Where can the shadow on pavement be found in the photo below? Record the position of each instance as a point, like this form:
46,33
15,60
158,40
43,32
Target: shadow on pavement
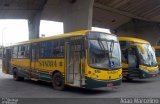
89,91
139,81
73,89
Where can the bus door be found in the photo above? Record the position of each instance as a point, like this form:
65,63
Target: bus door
132,59
6,60
34,59
73,61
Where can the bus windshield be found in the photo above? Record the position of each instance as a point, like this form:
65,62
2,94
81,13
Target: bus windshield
148,56
104,51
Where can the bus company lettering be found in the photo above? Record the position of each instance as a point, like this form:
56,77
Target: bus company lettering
50,63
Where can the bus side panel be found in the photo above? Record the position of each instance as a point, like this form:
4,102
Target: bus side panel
22,65
45,67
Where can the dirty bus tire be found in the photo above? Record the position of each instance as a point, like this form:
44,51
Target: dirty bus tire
58,81
16,77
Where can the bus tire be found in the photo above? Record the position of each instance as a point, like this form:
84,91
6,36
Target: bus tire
58,81
16,77
129,79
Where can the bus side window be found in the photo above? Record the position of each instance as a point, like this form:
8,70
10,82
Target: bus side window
15,52
19,52
23,51
46,49
58,48
27,55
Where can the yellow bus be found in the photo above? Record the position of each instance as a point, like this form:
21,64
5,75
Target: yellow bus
157,51
138,58
86,59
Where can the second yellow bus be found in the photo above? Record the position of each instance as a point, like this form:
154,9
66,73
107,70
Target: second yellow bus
138,58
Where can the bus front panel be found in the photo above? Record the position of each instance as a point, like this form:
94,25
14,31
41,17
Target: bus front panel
138,59
103,66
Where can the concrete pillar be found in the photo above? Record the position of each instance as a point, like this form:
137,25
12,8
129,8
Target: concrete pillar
77,14
33,25
149,31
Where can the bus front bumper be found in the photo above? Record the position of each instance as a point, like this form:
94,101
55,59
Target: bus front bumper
93,83
137,73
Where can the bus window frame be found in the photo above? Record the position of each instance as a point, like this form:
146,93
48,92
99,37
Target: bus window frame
25,51
13,52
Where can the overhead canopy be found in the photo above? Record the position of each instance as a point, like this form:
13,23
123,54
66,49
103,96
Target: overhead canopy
113,13
107,13
20,9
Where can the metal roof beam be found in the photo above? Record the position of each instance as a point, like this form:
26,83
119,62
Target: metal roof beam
97,5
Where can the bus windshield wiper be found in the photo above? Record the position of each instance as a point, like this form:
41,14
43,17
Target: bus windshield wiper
111,47
103,47
101,44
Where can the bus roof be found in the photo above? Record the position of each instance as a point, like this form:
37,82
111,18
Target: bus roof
76,33
70,34
131,39
156,47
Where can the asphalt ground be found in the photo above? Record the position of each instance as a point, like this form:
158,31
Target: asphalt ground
140,88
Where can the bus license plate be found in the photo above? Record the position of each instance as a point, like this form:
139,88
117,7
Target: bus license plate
153,75
109,84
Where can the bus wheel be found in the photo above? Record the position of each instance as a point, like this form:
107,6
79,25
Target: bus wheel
58,81
16,77
129,79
